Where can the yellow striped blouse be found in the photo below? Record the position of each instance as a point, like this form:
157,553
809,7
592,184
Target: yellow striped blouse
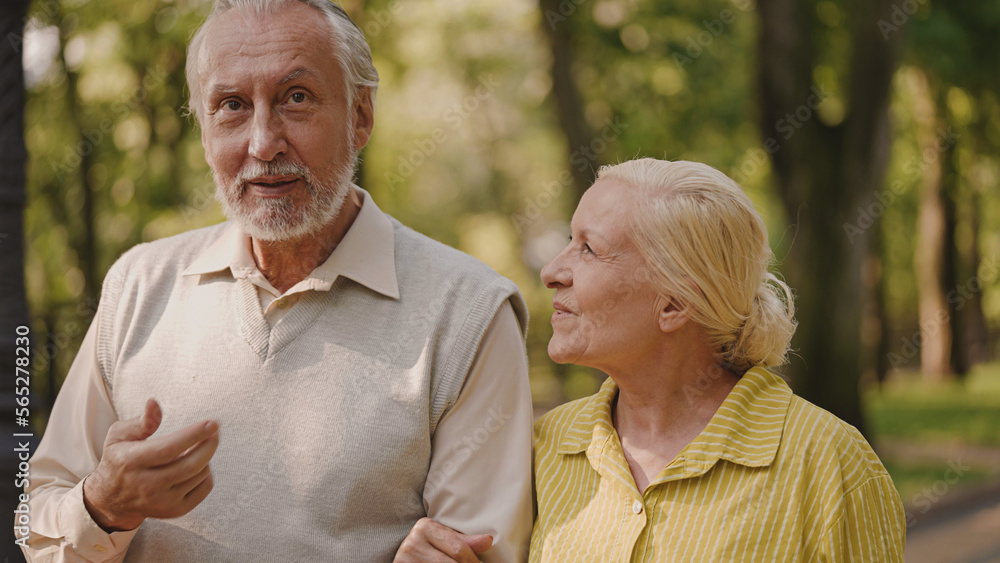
771,478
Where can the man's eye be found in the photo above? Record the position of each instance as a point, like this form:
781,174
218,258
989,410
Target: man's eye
298,97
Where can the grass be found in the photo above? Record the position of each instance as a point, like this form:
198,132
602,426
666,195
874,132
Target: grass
916,480
910,410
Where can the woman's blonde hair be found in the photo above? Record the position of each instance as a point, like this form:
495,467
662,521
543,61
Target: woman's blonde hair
706,247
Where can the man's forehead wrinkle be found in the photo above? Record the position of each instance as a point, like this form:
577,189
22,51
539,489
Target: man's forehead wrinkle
288,40
244,52
250,61
247,24
229,78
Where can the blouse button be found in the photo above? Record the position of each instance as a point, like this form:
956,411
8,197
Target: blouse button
637,507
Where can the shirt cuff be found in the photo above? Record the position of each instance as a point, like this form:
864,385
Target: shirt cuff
87,538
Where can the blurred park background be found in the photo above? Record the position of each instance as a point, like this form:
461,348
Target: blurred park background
866,131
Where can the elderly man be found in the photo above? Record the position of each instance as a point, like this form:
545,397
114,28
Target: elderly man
304,382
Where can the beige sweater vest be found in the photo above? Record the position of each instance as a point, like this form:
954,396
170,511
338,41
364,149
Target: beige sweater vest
326,419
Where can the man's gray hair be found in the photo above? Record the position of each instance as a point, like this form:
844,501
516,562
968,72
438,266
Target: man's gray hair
350,47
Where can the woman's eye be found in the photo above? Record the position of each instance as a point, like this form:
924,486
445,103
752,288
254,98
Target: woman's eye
233,105
585,248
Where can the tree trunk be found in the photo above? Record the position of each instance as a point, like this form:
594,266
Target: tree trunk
972,341
827,178
875,325
976,341
932,244
85,244
569,105
13,307
953,266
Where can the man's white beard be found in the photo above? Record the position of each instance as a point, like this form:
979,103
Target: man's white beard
276,219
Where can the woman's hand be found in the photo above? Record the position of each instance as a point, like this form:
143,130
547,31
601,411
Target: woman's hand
430,542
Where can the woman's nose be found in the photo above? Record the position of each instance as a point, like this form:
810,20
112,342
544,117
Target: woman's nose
556,274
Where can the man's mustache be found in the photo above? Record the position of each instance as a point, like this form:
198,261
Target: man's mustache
272,168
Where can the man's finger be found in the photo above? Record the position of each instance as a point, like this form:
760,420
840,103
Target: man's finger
478,543
186,486
200,491
191,462
138,428
193,498
163,449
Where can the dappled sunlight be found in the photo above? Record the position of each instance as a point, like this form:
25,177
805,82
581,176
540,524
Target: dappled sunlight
470,147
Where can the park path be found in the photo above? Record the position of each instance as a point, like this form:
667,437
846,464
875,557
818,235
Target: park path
962,526
941,452
966,531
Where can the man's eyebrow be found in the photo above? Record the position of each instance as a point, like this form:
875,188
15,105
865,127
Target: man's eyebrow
228,89
224,89
295,74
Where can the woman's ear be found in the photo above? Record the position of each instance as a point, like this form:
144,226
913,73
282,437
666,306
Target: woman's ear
671,314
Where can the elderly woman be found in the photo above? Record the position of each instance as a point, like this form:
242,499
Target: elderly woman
691,450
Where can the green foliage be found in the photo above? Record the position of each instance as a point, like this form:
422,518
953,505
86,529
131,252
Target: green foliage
942,422
467,146
955,413
110,152
915,481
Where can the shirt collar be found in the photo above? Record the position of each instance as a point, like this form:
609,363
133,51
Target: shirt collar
746,429
366,254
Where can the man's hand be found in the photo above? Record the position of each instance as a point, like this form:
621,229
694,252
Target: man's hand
163,477
430,542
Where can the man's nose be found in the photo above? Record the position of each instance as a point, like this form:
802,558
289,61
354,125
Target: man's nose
267,135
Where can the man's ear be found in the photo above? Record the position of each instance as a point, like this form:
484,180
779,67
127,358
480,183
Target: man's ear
204,145
671,314
362,116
